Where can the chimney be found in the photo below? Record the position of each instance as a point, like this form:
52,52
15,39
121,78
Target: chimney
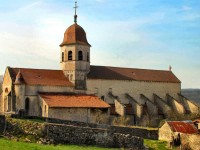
170,68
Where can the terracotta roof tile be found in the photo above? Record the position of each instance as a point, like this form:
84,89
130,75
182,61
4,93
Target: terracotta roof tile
41,77
182,127
71,101
117,73
75,34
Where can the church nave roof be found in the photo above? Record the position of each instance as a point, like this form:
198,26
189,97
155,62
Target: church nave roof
41,76
117,73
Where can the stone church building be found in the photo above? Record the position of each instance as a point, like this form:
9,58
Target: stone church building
79,91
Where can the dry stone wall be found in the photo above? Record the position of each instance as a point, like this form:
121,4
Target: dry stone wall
139,132
91,136
133,131
70,132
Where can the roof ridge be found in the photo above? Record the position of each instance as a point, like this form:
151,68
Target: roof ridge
131,68
34,69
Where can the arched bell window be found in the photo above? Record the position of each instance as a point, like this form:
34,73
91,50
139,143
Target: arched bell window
70,55
80,55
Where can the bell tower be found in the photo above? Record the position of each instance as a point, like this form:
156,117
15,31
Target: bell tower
75,54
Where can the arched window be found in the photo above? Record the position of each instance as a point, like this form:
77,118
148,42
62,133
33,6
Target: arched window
70,55
88,57
80,55
6,90
63,57
27,103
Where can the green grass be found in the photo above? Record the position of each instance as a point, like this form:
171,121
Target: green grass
156,144
13,145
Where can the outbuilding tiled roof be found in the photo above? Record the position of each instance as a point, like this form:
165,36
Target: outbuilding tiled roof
117,73
41,76
182,127
73,101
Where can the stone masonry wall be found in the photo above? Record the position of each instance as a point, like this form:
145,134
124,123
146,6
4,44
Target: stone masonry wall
134,88
73,132
133,131
91,136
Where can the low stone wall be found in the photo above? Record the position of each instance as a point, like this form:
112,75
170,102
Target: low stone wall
91,136
2,123
134,131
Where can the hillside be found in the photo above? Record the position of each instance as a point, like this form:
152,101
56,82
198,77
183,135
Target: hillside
193,94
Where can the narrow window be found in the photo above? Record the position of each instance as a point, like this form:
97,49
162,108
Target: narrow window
27,101
45,109
70,55
88,57
80,55
103,98
63,56
6,90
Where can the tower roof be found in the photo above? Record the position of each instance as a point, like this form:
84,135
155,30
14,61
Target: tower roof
75,34
19,78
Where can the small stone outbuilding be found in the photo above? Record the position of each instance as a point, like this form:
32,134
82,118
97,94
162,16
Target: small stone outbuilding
172,130
84,108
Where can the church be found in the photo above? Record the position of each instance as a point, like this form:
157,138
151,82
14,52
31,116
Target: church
87,93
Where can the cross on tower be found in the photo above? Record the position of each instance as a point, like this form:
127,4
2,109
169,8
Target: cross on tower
75,16
75,7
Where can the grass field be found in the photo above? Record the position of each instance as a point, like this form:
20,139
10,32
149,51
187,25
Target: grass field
13,145
155,144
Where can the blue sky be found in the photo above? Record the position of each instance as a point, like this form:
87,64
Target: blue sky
149,34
